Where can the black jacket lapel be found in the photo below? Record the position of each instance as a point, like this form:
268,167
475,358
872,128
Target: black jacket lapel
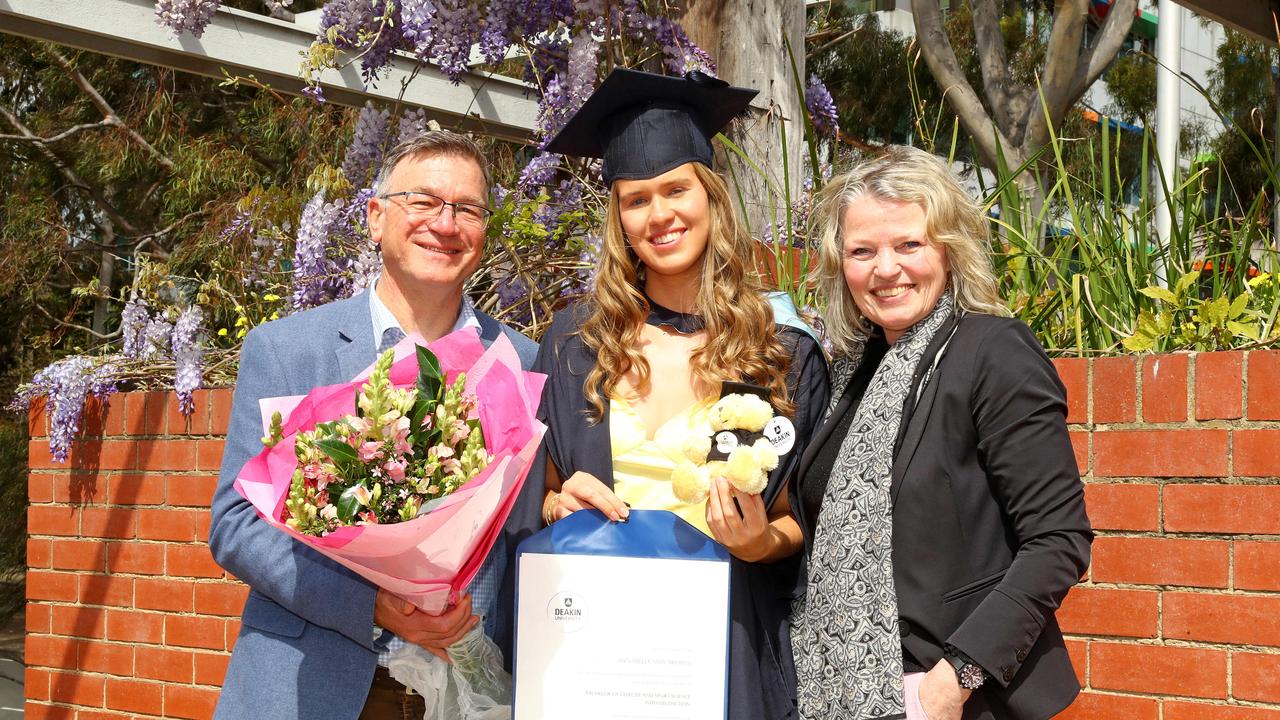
918,405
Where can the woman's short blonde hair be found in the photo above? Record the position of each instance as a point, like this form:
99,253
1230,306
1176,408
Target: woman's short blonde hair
953,220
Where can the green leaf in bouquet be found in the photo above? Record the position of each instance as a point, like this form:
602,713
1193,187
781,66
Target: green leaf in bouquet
421,408
349,503
430,375
342,454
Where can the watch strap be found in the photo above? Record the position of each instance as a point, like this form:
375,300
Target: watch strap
970,674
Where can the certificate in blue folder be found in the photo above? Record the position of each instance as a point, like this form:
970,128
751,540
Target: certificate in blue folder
621,620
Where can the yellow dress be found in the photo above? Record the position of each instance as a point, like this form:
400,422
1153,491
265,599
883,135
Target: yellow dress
642,467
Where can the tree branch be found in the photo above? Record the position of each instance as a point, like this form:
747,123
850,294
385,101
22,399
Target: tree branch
107,208
63,323
1112,36
108,113
1061,58
992,58
823,47
942,62
60,136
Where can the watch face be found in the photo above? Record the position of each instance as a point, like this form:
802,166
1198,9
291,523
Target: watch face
970,676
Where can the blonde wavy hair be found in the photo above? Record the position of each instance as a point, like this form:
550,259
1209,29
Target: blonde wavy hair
741,338
953,221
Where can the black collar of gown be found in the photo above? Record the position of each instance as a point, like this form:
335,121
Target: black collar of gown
683,322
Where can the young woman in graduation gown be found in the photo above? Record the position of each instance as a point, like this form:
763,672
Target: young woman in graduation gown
635,367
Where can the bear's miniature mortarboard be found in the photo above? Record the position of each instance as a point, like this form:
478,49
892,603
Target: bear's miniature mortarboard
643,124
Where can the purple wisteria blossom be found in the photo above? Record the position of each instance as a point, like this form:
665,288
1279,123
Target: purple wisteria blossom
580,77
65,385
367,264
412,124
363,27
186,15
513,293
317,277
187,355
441,31
591,255
566,197
364,154
822,109
133,326
155,342
539,172
680,53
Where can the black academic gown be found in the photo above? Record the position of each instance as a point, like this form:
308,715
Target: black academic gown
761,672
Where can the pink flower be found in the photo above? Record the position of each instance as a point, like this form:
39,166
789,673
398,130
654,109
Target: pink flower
369,451
460,432
395,468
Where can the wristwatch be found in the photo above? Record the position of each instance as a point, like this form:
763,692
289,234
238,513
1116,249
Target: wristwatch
970,674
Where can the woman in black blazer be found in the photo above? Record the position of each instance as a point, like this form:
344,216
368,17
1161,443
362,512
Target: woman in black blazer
941,505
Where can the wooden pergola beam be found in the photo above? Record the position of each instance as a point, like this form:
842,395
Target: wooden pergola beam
1252,17
245,44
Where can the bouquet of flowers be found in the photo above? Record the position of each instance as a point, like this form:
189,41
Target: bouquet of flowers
401,452
406,475
745,443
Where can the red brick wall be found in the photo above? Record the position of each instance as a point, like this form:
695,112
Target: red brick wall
127,613
1179,618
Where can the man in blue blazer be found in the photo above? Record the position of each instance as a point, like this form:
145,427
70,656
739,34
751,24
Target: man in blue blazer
313,633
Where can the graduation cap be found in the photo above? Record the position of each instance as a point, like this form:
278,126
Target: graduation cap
643,124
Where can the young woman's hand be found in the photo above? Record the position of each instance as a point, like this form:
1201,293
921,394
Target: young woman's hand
584,490
746,534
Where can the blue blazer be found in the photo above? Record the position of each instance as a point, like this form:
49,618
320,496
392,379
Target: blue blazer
305,647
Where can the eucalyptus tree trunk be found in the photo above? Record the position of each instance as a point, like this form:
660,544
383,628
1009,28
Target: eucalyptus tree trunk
1013,118
749,41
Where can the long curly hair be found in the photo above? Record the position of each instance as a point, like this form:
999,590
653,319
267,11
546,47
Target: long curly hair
741,339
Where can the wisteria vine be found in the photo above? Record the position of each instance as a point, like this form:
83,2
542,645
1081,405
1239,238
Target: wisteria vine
321,247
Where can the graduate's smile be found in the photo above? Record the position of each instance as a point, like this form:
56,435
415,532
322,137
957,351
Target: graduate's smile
665,219
668,238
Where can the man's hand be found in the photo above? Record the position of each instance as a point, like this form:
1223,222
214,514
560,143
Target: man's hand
940,693
433,633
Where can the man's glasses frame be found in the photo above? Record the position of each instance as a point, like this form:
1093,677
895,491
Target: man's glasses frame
429,206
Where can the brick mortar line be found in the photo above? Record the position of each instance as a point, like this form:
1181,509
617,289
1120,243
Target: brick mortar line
1198,699
1181,535
1195,699
1206,424
1163,642
1261,480
1195,589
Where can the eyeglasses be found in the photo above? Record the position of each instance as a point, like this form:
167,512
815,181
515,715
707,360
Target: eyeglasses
426,206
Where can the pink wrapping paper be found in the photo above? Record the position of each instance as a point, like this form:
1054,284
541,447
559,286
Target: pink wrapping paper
430,559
